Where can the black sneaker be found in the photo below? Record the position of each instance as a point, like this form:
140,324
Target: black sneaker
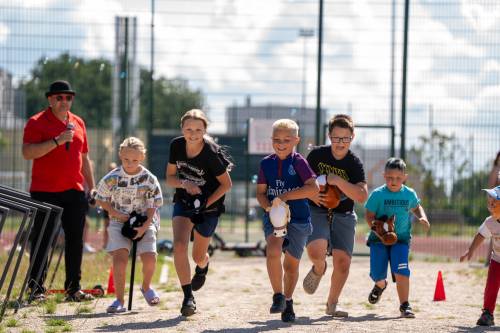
288,315
199,277
78,296
376,293
406,310
188,307
278,303
486,319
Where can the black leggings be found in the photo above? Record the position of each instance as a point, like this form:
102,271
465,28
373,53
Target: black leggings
73,220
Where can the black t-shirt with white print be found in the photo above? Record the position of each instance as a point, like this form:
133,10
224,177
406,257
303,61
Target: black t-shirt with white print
350,168
201,169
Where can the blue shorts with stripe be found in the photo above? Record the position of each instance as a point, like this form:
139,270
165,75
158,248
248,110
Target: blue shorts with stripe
381,255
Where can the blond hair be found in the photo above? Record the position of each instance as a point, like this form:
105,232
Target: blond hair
195,114
133,143
286,124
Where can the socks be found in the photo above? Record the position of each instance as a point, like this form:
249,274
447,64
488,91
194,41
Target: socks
187,290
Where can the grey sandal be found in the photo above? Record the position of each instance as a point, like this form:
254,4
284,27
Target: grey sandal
311,281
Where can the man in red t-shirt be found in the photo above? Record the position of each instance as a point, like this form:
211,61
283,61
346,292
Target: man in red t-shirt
56,140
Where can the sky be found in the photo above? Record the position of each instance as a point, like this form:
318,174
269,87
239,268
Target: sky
233,48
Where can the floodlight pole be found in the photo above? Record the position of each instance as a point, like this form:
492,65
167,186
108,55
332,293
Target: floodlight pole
403,84
318,86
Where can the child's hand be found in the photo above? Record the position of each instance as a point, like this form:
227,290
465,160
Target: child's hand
467,255
117,215
141,230
424,223
333,179
317,198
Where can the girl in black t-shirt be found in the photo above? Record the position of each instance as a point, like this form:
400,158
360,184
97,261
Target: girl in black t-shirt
199,172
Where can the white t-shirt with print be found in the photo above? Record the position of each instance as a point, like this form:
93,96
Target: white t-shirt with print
491,228
128,193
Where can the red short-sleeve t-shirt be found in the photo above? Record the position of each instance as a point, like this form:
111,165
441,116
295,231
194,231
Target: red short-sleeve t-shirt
60,169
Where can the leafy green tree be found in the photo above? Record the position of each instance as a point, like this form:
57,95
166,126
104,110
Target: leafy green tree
91,79
172,98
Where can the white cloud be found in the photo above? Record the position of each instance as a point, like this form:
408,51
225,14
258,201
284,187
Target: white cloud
4,32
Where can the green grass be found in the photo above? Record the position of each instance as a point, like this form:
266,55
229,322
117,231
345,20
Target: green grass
56,322
27,331
50,306
11,322
83,309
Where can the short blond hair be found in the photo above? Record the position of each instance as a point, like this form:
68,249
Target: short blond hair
133,143
286,124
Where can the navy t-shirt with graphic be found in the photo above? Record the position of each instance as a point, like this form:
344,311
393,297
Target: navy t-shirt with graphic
283,176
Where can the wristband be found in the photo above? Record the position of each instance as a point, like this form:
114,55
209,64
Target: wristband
55,141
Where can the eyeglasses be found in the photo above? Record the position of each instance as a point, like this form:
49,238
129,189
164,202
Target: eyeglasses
337,139
59,98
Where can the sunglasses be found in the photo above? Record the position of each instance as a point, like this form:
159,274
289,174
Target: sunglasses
59,98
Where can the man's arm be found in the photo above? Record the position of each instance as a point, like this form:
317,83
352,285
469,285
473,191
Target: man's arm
32,151
88,173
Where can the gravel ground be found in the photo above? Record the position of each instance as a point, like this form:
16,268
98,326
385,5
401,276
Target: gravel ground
237,296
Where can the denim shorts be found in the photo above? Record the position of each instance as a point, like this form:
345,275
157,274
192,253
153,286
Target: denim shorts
295,239
118,241
381,255
206,229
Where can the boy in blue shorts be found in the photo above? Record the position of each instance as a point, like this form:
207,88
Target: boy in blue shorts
285,176
393,199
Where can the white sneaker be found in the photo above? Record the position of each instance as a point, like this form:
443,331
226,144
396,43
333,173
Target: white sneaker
87,248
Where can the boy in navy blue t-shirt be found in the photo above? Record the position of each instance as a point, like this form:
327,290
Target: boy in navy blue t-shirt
393,199
285,176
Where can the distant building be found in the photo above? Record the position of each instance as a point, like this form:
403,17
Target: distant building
237,117
12,103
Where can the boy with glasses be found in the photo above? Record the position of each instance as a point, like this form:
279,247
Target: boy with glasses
333,228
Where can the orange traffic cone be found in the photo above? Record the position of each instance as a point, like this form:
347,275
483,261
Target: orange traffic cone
439,294
111,282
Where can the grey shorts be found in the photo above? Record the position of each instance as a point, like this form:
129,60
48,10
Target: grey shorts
118,241
295,239
340,234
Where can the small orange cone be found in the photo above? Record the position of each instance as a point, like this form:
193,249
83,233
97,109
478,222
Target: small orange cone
111,282
439,294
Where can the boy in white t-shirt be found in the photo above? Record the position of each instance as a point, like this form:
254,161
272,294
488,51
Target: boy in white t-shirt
126,189
489,229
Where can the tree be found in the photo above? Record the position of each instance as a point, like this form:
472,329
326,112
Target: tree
172,98
91,79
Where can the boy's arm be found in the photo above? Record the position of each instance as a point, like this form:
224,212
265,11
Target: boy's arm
422,217
478,239
369,216
357,192
309,189
261,195
106,205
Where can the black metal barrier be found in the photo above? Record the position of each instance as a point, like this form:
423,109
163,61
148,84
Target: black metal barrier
4,211
48,214
28,213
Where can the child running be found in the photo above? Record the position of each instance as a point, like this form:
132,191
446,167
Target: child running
489,229
393,199
285,176
128,188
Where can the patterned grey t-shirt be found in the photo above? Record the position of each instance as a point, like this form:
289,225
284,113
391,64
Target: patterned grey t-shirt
128,193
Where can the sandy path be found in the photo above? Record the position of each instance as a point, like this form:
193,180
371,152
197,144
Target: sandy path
237,296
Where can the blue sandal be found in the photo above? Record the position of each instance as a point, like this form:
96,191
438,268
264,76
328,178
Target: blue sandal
116,307
151,297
